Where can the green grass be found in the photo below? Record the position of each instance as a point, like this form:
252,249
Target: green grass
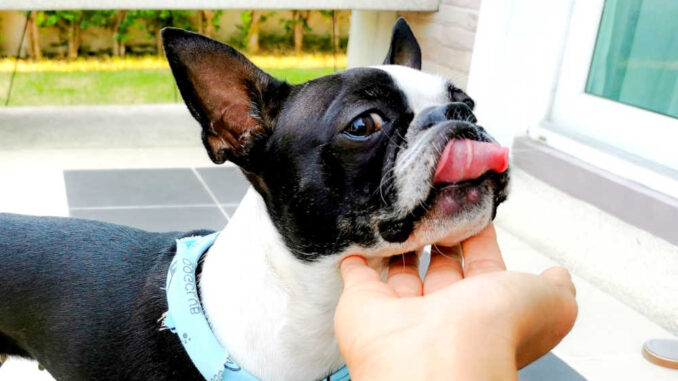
111,87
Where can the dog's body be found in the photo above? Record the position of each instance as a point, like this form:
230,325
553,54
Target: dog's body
340,165
110,325
84,298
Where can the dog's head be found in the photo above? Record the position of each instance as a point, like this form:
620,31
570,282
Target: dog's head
350,161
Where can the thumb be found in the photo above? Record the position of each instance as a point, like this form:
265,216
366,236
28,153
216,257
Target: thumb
355,272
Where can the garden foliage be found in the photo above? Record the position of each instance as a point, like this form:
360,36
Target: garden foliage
127,25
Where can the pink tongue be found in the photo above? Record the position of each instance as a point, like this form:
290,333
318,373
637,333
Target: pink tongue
469,159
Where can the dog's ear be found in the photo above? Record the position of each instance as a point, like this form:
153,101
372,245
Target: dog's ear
235,102
404,49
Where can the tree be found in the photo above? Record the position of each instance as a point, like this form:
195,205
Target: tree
300,25
119,33
248,30
155,20
33,31
336,43
240,39
253,32
333,15
297,26
68,23
208,21
71,24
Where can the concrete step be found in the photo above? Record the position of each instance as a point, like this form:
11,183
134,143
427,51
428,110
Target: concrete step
606,340
632,265
128,126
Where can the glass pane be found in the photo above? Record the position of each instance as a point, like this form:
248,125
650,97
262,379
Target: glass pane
636,56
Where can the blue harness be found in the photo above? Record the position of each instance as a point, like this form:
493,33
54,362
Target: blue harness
185,317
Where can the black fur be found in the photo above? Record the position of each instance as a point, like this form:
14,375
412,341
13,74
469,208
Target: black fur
234,101
84,298
404,49
332,206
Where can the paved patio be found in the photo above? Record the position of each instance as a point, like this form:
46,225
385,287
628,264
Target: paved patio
137,181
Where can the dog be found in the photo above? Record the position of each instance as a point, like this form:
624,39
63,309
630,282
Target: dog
376,161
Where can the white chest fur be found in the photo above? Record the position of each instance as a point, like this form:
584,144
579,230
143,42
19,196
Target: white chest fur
273,312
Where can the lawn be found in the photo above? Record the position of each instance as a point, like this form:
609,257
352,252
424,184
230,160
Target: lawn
112,87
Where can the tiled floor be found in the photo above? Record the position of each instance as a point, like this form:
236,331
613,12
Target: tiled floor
156,199
549,368
192,198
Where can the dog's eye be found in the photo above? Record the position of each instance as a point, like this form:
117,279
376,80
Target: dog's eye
364,125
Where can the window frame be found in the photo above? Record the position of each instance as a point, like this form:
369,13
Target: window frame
578,116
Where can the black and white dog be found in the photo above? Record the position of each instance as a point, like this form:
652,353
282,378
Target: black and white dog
375,161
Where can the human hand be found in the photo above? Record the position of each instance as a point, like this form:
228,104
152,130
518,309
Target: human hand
471,322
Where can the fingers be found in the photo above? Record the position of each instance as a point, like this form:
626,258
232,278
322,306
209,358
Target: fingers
402,281
354,271
445,268
561,276
403,275
481,253
549,312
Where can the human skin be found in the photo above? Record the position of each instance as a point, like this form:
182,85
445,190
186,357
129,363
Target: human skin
474,321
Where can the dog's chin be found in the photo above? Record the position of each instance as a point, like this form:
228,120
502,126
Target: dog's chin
455,212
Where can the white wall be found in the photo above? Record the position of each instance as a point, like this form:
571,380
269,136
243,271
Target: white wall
447,38
369,37
518,50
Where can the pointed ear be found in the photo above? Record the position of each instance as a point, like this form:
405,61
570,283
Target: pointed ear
404,49
234,101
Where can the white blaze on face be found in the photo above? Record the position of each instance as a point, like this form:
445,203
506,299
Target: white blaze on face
421,89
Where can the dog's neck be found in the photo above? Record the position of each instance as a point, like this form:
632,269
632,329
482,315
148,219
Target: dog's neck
273,312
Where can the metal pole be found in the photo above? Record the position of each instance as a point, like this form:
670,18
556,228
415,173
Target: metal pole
16,61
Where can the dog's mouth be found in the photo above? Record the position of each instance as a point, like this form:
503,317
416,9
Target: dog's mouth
467,160
470,167
462,167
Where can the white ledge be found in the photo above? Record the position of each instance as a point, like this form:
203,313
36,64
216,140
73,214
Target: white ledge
393,5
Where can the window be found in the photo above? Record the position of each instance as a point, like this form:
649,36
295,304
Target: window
635,60
616,97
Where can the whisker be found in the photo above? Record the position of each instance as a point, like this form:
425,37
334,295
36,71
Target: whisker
440,252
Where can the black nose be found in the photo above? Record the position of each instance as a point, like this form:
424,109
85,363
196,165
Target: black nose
437,114
460,111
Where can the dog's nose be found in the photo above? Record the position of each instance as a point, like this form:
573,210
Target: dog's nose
437,114
460,111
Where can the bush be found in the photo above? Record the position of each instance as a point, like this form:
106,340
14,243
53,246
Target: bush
129,25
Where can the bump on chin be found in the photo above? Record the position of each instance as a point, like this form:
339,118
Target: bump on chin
439,227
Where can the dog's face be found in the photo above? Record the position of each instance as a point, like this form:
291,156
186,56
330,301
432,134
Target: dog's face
345,162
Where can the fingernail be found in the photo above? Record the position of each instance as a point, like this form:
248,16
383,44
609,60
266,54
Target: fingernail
352,258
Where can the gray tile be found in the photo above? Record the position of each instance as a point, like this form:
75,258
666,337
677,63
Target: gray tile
159,219
550,368
227,183
230,209
134,187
